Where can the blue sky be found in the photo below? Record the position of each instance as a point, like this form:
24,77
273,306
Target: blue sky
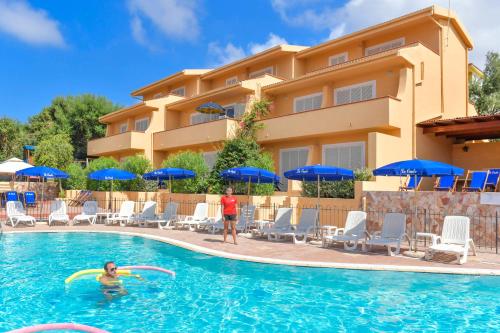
51,47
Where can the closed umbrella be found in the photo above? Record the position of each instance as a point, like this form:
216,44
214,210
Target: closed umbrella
318,173
169,174
111,174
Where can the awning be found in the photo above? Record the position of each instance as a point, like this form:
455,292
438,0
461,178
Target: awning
464,128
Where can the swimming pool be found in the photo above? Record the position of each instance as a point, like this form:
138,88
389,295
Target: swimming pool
212,294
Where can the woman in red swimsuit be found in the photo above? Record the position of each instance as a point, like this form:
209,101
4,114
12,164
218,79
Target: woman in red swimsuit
229,212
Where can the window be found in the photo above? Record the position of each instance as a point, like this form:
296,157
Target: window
291,159
210,158
158,95
384,46
345,155
235,110
181,91
232,80
355,93
141,125
123,127
337,59
306,103
260,72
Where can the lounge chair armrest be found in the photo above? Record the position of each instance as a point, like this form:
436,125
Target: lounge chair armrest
339,231
329,230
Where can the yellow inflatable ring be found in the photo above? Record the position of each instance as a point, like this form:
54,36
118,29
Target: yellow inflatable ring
122,272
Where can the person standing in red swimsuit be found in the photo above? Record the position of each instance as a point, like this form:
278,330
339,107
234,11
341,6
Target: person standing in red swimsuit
229,212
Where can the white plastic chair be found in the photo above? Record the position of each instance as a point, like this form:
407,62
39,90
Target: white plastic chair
125,215
148,213
214,224
353,232
246,218
393,232
89,213
17,214
455,239
58,212
165,220
282,223
192,221
306,226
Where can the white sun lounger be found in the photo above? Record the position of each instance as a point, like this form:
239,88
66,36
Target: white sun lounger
191,222
125,215
306,226
89,213
148,213
213,224
393,232
17,214
58,212
353,232
282,223
165,220
454,239
246,218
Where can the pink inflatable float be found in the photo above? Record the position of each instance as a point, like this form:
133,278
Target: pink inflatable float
59,326
149,268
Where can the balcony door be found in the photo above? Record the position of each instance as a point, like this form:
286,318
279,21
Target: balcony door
290,159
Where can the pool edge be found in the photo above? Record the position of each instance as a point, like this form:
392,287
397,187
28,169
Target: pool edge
286,262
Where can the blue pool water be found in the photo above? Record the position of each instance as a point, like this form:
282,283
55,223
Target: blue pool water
212,294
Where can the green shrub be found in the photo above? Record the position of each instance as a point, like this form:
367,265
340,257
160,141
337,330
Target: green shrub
138,165
54,151
99,164
189,160
342,189
77,178
240,152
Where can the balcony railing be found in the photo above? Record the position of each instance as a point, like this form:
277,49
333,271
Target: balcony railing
117,143
375,114
209,132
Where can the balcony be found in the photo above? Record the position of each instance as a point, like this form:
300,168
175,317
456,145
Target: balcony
210,132
378,114
135,141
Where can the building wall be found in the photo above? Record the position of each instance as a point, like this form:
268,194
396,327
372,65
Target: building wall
387,81
426,32
191,89
282,68
477,155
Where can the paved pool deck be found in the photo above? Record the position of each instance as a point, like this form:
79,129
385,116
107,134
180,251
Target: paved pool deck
286,253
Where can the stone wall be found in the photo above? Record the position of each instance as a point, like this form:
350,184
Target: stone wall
50,189
425,211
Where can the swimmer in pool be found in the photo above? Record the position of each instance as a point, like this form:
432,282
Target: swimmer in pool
111,285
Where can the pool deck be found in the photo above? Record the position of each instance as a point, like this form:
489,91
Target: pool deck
286,253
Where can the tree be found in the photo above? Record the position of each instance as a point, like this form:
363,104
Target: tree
99,164
137,165
192,161
77,179
248,125
485,93
11,138
55,151
75,116
240,152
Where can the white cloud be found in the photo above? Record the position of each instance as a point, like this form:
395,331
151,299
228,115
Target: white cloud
479,17
273,40
173,18
31,25
222,55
